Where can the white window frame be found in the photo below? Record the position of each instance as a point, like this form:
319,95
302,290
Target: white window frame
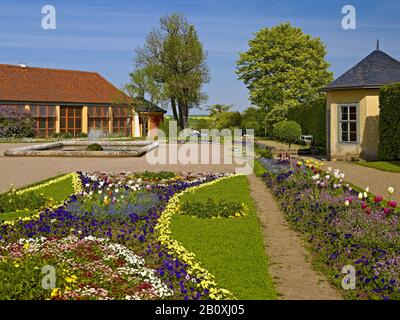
357,122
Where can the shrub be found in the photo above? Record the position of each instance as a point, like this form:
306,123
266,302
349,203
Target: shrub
213,209
94,147
389,119
200,123
254,118
15,123
228,120
311,116
287,131
263,152
82,135
63,135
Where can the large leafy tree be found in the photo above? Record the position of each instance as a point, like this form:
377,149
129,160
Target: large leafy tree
283,68
216,110
254,118
178,59
145,93
229,120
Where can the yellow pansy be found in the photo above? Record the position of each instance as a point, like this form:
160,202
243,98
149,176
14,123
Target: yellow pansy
55,293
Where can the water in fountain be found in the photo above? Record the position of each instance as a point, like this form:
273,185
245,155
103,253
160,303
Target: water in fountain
95,134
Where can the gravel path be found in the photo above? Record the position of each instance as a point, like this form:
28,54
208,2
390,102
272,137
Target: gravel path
378,181
22,171
289,261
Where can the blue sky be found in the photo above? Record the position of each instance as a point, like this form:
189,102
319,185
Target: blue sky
102,35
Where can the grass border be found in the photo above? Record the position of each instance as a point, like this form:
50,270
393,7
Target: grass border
381,165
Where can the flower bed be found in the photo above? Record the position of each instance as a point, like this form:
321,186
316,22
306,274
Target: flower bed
109,225
343,226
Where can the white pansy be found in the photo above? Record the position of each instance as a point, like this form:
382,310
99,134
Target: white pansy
316,177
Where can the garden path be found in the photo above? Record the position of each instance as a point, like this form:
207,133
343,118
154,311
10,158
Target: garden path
21,171
378,181
289,261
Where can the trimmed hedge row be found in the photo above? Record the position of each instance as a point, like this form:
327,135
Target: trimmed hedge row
312,118
389,120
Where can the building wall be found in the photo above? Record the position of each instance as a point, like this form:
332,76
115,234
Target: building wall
368,119
154,119
85,120
154,122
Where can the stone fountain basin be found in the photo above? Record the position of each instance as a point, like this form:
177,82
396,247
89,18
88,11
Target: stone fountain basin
75,148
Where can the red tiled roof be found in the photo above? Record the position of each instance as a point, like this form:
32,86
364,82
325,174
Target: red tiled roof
55,85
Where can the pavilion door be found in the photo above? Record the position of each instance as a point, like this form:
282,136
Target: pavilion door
71,120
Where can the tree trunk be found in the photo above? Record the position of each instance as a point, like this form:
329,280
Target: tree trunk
183,115
174,111
144,125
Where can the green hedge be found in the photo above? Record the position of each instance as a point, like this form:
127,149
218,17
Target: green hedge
312,118
389,120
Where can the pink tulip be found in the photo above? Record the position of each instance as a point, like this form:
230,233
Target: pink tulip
378,199
364,205
392,204
387,210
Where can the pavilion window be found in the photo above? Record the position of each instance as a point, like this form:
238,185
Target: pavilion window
348,123
45,117
99,118
122,120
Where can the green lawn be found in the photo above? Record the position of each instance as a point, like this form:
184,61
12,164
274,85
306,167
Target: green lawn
259,170
58,191
232,248
391,166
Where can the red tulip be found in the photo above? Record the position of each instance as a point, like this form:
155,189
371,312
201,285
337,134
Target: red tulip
364,205
387,210
378,199
350,200
368,210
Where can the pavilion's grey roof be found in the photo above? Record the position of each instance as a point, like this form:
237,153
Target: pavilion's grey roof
374,71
